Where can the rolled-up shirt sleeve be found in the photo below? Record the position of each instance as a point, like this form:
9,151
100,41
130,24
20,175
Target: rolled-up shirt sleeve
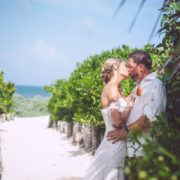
155,102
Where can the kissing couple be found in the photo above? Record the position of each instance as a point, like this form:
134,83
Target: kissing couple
126,114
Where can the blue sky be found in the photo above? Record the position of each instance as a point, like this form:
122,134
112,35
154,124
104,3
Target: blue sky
42,40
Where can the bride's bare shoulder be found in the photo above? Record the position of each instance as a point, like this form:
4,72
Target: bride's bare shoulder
109,94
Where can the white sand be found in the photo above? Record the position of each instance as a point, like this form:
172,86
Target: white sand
31,151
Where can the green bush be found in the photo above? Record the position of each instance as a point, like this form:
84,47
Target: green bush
78,98
6,94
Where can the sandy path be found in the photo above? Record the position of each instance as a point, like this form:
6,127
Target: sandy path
30,151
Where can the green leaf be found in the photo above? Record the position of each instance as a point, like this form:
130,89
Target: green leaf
177,7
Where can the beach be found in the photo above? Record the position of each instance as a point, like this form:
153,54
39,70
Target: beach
31,151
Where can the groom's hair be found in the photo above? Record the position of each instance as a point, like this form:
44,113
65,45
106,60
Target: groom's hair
141,57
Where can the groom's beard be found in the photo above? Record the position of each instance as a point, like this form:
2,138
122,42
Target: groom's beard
134,76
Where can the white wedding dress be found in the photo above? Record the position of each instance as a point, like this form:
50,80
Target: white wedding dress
108,162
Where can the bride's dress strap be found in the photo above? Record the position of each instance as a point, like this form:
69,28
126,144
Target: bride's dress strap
121,104
110,106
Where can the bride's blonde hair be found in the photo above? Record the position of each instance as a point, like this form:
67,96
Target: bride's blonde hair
107,70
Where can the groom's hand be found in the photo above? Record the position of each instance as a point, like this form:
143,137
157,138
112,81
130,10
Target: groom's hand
116,135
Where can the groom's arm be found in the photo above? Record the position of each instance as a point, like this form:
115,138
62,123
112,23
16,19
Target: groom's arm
142,123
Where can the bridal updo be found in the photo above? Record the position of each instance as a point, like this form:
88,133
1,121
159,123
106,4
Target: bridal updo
109,65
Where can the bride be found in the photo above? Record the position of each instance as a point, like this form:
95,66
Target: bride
108,162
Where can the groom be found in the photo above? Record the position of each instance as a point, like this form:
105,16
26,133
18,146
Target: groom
150,101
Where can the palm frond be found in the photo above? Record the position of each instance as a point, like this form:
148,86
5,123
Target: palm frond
119,7
137,13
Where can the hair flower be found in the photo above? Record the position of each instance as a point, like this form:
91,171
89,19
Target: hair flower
139,90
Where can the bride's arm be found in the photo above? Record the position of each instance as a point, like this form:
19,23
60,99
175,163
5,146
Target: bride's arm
121,117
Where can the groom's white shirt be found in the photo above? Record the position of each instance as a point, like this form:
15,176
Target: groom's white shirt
151,103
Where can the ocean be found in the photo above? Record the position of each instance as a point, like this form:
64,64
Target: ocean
31,91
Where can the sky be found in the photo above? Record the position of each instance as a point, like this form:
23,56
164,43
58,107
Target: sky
42,40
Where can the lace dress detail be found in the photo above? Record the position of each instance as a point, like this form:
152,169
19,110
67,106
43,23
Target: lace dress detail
108,162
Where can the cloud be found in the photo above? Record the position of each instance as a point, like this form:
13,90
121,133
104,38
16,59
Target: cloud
40,58
39,49
38,63
89,25
39,54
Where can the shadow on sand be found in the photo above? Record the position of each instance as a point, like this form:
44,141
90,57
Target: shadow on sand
78,152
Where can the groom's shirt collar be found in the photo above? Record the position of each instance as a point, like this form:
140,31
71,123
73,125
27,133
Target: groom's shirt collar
149,77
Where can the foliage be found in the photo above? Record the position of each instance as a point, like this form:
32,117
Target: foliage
6,94
170,26
30,107
78,98
59,104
